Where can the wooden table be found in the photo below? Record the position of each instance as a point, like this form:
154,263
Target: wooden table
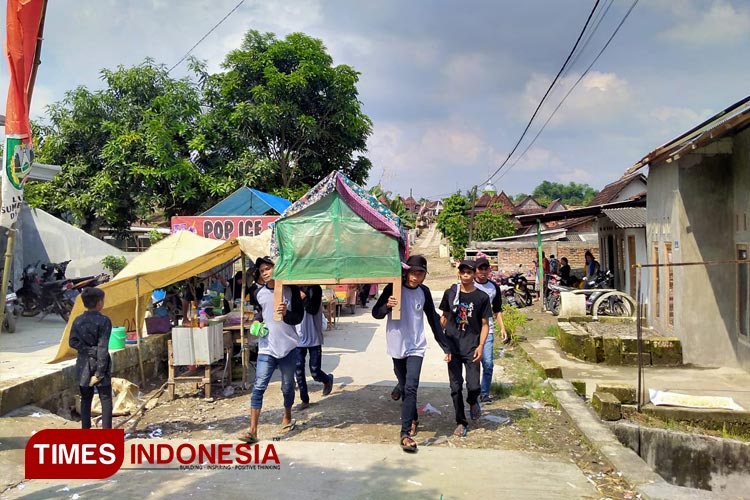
330,311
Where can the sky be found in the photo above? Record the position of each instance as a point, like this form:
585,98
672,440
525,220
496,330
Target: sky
450,85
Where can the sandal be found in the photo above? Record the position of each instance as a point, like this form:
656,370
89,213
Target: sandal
461,431
414,428
290,426
396,393
408,444
475,411
248,437
302,406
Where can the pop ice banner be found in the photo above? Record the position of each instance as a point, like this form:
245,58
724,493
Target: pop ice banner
22,29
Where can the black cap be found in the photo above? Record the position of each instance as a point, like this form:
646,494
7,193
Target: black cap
264,260
416,263
468,263
481,261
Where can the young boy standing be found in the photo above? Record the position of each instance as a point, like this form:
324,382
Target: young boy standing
89,335
466,315
406,341
310,333
489,287
277,349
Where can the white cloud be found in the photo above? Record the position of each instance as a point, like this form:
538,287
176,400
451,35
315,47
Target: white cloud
537,160
600,97
719,23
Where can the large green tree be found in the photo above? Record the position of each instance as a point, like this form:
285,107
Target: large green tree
493,223
286,102
124,151
570,194
453,223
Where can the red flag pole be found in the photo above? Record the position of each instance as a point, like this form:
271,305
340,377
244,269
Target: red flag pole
12,229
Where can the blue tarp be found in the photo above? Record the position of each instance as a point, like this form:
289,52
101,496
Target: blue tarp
248,201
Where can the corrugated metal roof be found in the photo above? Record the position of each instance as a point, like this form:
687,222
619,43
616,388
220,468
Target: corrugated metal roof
627,217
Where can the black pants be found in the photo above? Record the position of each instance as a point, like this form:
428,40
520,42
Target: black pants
105,396
455,374
407,372
315,370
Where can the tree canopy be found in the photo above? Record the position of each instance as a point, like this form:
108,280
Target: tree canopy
279,118
493,223
123,150
453,223
285,101
570,194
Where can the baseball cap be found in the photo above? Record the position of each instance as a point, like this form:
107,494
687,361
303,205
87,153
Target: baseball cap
481,261
416,263
264,260
467,263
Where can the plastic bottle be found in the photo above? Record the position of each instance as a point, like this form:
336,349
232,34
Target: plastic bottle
202,318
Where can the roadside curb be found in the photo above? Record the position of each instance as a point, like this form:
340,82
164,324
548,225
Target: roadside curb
633,468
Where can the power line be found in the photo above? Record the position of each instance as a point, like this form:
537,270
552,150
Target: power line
526,129
206,35
597,21
635,2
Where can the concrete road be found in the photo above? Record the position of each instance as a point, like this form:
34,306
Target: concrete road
336,470
25,353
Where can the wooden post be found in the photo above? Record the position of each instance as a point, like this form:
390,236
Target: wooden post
138,325
243,347
170,368
396,311
278,298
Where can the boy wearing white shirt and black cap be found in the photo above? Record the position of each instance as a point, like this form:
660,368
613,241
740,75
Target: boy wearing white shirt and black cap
406,340
277,349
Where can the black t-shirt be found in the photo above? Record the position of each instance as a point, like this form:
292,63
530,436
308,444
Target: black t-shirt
465,319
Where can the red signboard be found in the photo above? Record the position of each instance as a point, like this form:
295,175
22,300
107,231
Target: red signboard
223,227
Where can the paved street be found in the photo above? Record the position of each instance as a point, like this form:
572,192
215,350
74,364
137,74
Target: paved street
321,467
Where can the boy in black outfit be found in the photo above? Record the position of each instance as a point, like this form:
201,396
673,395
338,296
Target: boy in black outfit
89,335
466,316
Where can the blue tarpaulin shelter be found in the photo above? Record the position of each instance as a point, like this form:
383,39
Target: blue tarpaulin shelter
248,201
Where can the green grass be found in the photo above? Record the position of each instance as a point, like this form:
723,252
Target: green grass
513,319
527,384
552,331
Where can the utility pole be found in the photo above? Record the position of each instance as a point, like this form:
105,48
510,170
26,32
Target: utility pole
12,230
471,213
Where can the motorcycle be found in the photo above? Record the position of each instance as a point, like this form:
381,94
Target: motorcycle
613,306
48,293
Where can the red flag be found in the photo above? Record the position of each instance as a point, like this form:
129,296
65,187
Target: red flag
22,22
23,18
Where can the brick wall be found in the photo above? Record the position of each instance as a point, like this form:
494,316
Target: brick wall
511,254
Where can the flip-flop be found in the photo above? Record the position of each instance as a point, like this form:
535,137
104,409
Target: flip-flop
461,431
408,444
248,437
302,407
290,426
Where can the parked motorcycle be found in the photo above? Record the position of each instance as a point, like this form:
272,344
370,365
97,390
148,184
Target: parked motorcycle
11,312
613,306
49,292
